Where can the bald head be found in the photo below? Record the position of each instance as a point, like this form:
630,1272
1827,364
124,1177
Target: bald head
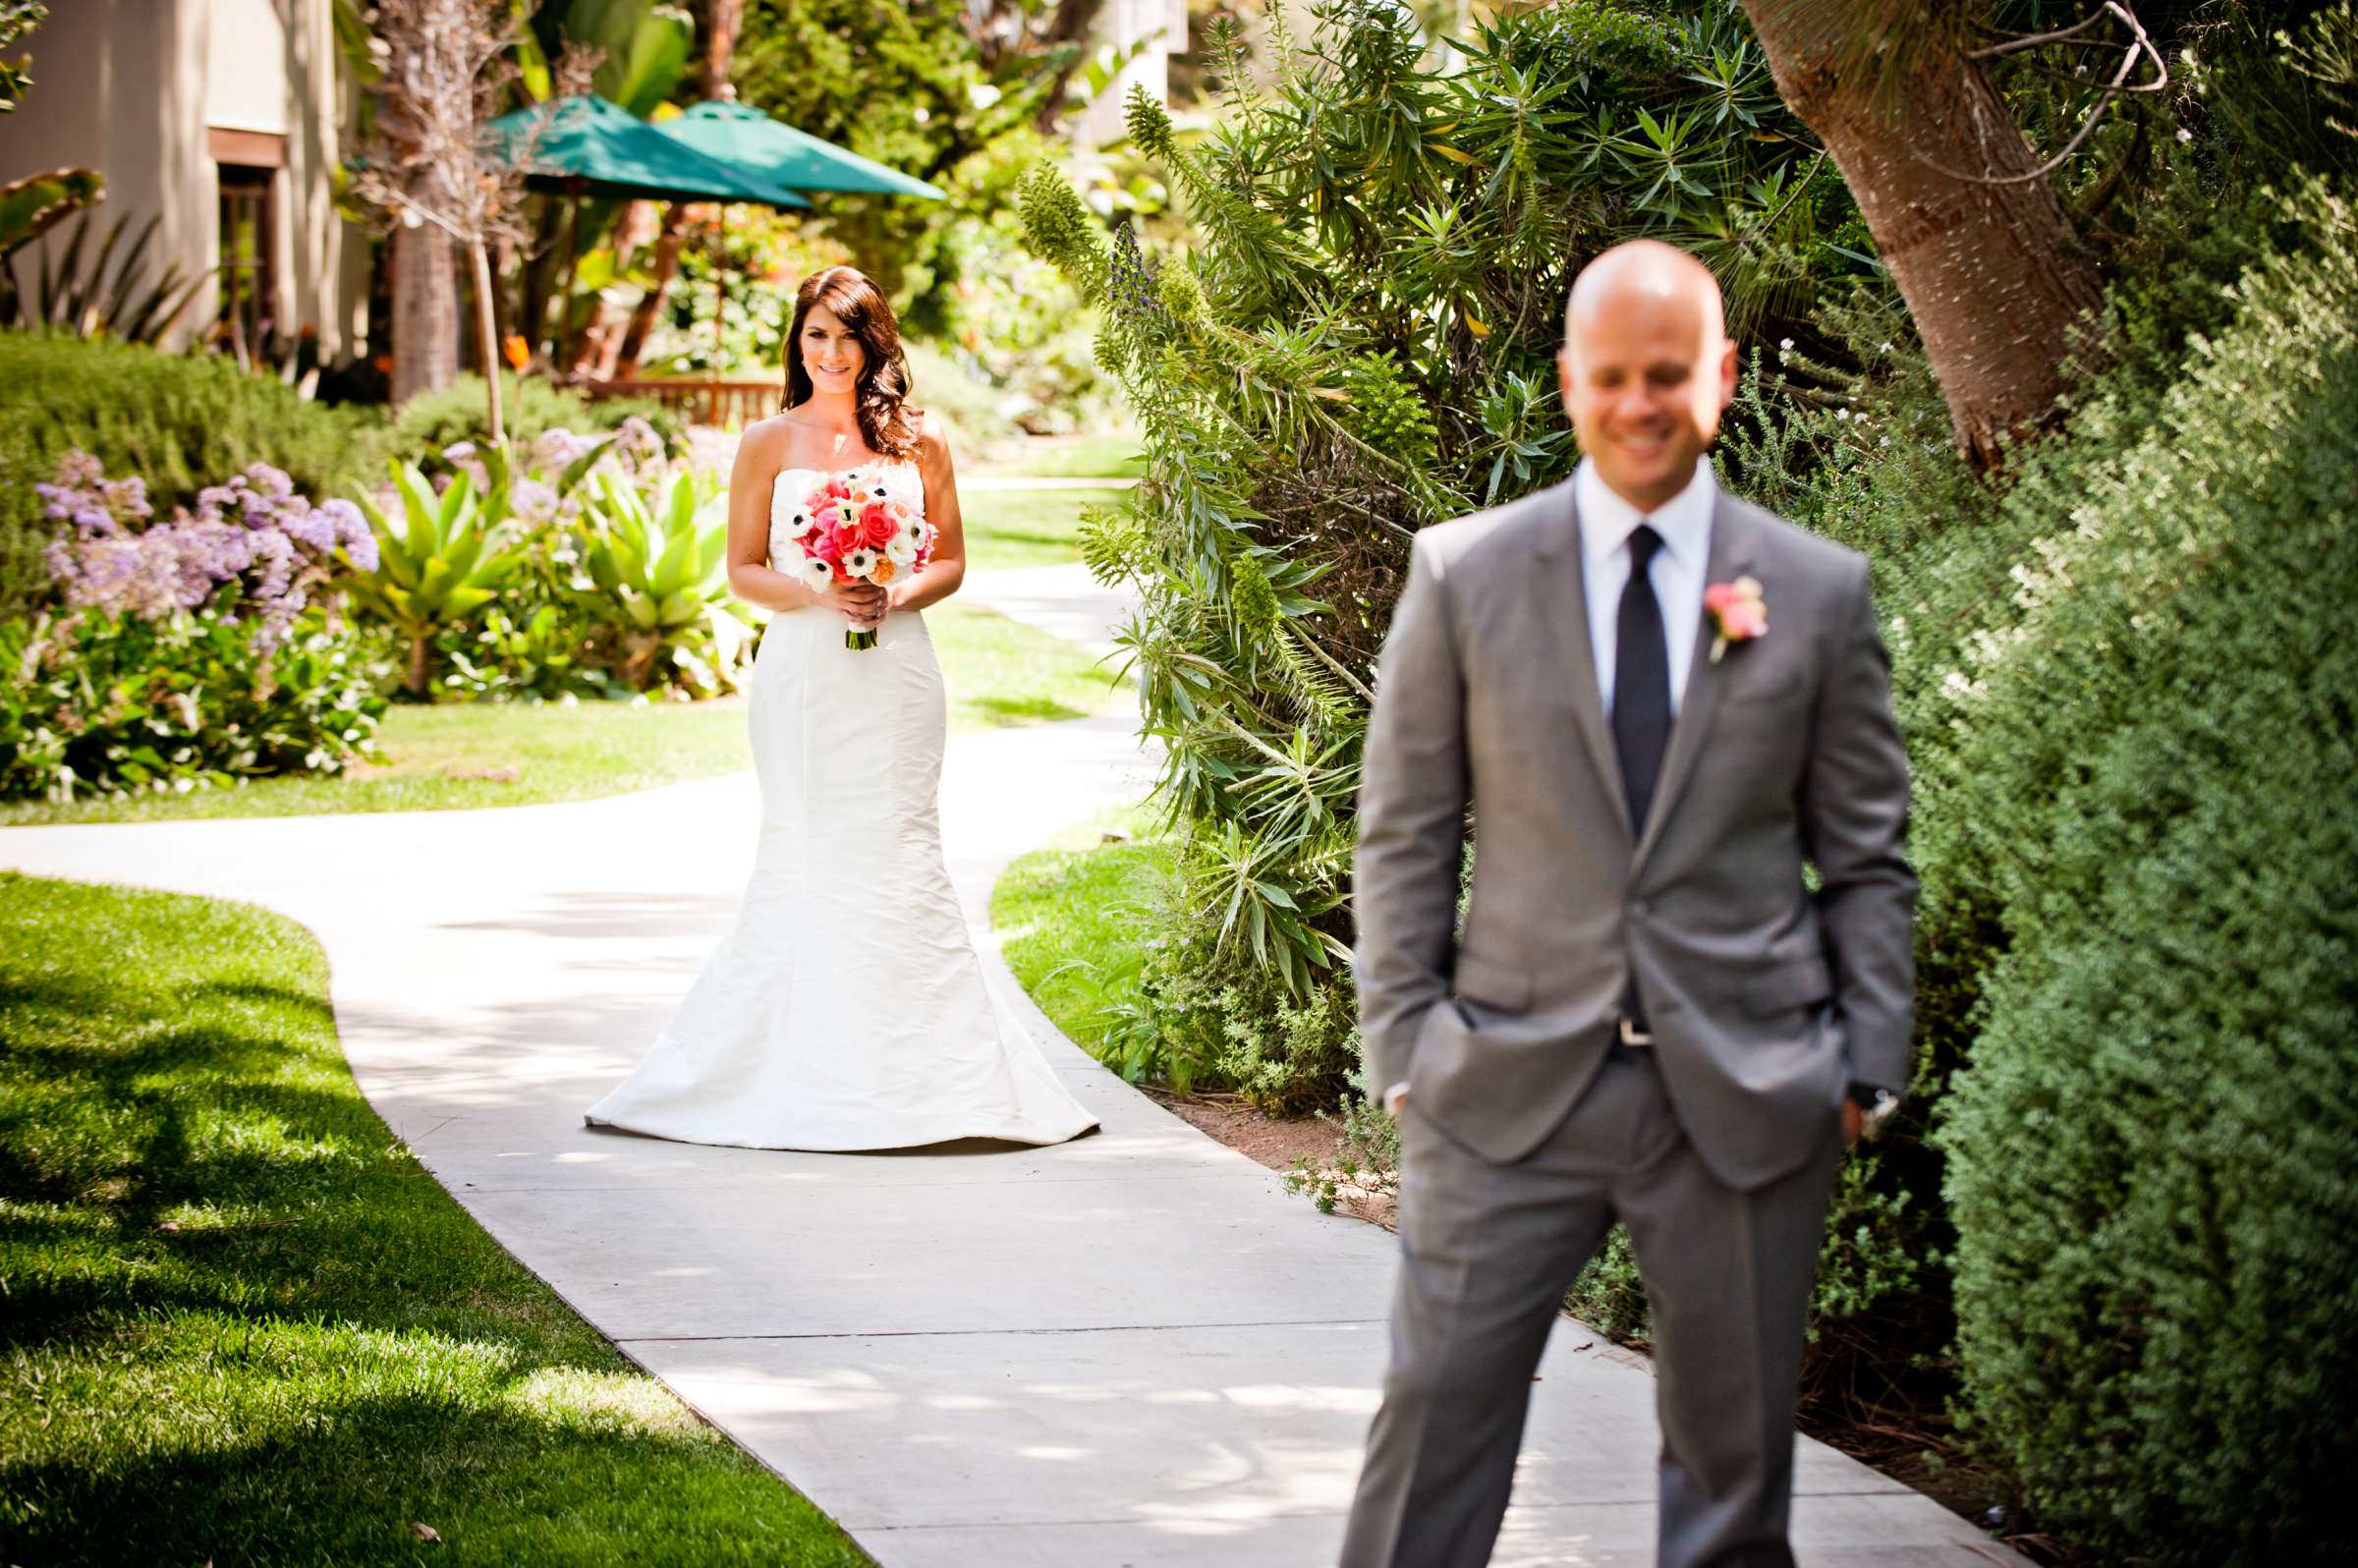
1643,274
1647,367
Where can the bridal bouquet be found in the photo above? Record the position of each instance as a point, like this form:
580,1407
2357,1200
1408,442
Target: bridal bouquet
863,525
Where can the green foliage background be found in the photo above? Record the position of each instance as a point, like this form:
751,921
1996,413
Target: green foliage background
2110,1237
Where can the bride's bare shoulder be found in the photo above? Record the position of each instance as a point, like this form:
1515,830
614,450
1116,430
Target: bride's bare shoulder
772,435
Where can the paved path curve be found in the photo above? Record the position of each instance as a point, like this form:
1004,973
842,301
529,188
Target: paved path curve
1134,1349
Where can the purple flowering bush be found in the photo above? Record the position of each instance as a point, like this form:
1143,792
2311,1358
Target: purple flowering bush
191,651
253,546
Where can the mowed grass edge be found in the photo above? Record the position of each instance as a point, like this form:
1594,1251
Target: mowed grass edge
242,1325
1074,918
458,755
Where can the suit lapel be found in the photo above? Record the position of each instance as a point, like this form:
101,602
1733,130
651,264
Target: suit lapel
1565,615
1730,557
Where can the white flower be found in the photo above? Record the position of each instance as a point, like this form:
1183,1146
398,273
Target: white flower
902,551
2185,135
816,574
789,516
1784,345
860,561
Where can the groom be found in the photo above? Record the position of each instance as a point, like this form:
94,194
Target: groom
1649,1016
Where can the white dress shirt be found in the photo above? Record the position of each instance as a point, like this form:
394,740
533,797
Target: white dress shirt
1679,568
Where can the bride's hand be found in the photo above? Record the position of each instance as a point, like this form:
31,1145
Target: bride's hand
861,603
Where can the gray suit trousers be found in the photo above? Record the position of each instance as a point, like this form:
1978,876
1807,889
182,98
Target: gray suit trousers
1488,1251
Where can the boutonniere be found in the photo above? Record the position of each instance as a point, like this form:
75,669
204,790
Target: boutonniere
1737,612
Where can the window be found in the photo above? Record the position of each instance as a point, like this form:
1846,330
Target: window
249,242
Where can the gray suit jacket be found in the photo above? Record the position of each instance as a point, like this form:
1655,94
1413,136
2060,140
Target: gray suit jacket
1764,1000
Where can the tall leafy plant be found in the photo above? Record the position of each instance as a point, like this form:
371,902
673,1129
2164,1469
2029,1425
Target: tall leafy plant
440,558
1361,344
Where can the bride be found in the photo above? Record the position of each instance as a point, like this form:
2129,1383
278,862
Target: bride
845,1009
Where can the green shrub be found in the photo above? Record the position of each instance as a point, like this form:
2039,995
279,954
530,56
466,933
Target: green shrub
2157,1270
96,702
1362,343
179,421
461,411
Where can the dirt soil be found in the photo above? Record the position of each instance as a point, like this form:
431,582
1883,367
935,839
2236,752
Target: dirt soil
1275,1143
1263,1140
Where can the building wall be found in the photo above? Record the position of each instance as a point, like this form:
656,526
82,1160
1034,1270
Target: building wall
138,90
1159,24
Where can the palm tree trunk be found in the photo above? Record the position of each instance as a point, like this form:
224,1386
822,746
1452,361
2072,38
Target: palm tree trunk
425,312
1986,260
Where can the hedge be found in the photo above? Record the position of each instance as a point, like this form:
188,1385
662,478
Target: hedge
181,421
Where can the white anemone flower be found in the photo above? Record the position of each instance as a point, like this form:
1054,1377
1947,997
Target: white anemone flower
860,561
816,574
788,516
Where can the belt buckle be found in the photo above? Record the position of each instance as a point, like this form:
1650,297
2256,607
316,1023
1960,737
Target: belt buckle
1631,1034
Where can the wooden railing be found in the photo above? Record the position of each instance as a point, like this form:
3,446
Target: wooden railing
730,405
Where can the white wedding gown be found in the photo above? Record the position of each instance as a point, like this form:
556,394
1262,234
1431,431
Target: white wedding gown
845,1009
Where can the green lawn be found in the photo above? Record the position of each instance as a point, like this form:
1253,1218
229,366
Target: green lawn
1074,917
1001,672
1027,528
470,754
242,1326
1114,455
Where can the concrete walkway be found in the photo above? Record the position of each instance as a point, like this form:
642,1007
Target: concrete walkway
1134,1349
1062,600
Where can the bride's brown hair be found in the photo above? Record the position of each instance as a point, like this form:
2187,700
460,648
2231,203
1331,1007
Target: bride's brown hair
879,396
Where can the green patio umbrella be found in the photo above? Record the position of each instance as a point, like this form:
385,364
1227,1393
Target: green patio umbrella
744,138
582,145
587,146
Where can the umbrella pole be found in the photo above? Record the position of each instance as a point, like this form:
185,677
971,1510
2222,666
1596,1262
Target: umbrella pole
573,246
720,300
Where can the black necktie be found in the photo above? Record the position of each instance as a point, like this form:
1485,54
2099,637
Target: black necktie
1641,682
1641,703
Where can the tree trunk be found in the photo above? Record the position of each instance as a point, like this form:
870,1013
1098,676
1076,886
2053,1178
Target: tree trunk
425,312
1993,274
723,20
1072,23
486,333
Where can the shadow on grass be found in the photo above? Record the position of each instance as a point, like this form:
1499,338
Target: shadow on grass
322,1347
1024,709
